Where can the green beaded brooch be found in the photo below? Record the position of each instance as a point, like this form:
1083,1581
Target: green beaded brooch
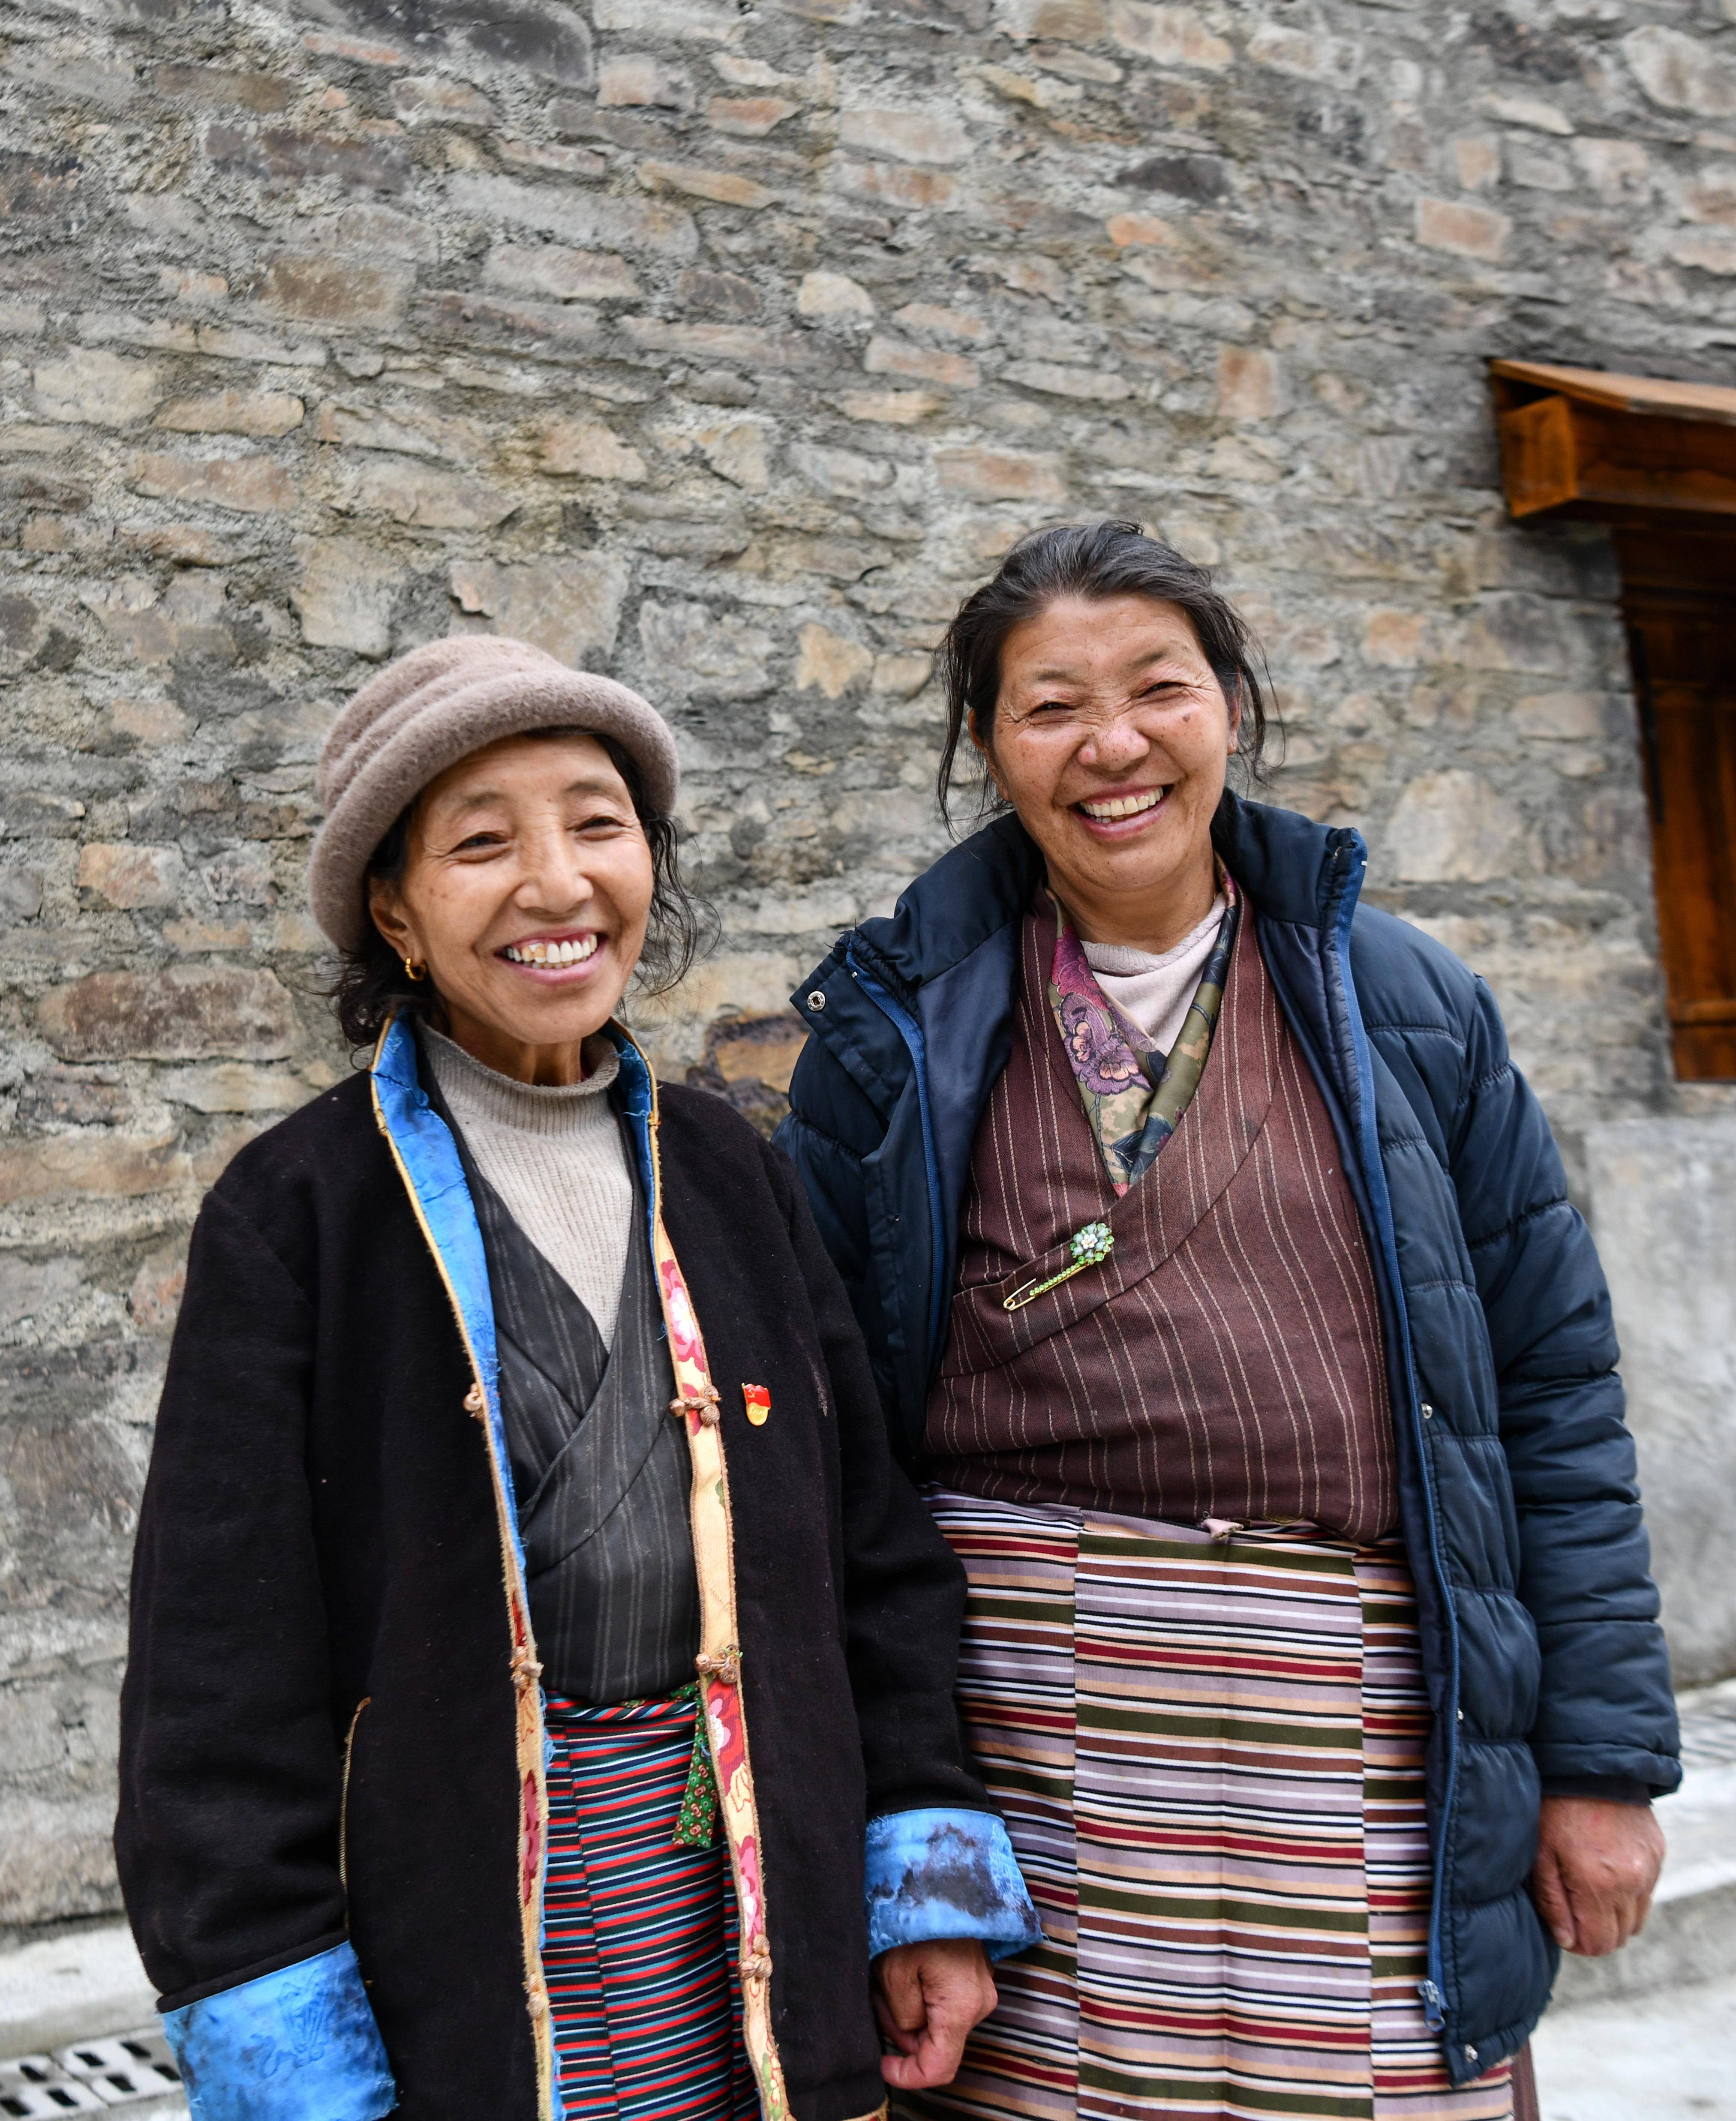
1089,1246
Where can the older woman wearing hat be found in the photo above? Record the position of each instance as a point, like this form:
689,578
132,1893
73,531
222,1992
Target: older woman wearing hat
541,1687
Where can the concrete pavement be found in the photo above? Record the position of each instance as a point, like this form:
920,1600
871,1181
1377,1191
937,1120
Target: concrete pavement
1667,2056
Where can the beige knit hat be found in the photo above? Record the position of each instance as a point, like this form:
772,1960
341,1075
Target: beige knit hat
431,708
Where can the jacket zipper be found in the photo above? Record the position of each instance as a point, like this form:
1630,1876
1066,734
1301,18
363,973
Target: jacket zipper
1430,1991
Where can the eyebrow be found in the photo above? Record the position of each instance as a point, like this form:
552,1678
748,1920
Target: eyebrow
585,784
1071,677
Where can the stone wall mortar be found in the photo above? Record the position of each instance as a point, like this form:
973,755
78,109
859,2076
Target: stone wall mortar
723,346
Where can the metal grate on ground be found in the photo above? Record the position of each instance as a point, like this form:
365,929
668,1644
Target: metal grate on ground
133,2071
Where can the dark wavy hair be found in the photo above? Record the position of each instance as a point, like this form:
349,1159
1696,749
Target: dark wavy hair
372,986
1095,561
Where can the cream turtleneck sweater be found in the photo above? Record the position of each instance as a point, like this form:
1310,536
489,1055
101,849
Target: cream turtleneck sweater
557,1157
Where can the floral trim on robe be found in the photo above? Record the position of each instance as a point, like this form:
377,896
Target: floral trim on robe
1134,1094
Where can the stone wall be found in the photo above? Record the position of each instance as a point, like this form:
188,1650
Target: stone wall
1663,1198
722,344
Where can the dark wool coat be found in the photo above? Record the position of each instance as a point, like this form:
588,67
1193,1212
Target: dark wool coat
319,1720
1518,1499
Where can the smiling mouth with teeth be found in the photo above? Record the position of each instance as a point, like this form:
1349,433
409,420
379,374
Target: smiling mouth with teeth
1112,808
551,955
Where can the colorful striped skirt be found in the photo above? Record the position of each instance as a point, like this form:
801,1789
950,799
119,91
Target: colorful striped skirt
1210,1755
639,1943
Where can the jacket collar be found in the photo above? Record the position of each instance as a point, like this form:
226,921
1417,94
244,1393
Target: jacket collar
1291,869
403,1103
397,1063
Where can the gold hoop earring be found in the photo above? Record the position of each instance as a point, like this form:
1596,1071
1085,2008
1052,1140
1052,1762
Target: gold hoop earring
413,971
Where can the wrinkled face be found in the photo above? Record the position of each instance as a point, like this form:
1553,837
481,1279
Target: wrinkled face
1111,740
526,893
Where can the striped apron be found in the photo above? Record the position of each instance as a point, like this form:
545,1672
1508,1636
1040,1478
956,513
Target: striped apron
1210,1756
639,1946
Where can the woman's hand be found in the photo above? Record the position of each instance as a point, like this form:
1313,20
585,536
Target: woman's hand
1596,1862
927,1996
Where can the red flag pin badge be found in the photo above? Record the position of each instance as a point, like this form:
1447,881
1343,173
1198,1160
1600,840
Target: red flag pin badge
758,1401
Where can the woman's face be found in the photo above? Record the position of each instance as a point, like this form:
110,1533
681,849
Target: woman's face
526,893
1111,740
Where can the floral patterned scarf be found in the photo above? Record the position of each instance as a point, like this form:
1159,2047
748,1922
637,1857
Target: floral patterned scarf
1134,1094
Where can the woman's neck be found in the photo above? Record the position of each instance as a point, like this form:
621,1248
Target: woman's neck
1151,920
545,1067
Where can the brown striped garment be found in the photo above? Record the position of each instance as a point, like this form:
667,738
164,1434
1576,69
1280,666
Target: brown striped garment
1225,1361
1209,1757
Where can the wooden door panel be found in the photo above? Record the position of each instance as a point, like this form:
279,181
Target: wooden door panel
1684,656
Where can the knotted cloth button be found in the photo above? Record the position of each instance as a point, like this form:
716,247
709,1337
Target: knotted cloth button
703,1402
526,1672
539,1999
475,1402
757,1967
724,1664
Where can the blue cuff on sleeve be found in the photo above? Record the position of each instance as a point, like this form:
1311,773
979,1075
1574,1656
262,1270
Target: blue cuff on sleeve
935,1874
299,2045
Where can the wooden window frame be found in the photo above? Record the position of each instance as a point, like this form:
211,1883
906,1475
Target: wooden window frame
1655,460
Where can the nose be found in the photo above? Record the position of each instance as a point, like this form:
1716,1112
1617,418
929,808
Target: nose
1116,746
554,873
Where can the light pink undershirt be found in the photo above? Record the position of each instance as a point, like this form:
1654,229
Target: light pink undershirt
1154,991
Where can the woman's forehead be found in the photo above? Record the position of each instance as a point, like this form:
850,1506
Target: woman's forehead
533,767
1073,633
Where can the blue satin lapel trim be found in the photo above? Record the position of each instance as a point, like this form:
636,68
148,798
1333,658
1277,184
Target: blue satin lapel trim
635,1096
430,1160
299,2045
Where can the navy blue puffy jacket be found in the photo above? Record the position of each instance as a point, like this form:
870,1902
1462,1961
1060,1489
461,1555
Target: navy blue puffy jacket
1520,1507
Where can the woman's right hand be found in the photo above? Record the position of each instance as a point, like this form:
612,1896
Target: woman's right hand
1596,1862
928,1997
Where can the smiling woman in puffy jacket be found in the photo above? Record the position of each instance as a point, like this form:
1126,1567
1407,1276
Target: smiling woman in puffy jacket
541,1688
1220,1278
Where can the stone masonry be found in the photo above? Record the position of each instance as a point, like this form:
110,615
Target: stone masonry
723,344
